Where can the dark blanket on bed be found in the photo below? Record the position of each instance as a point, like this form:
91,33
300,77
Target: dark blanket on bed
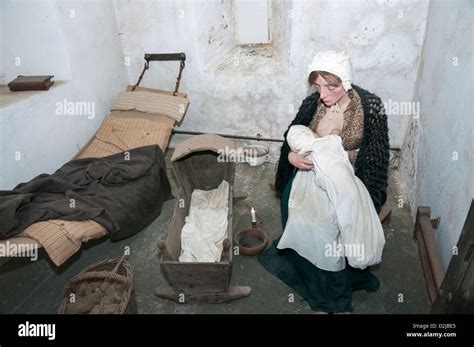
123,192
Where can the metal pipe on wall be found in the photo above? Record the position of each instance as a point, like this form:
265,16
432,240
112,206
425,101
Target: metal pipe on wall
257,138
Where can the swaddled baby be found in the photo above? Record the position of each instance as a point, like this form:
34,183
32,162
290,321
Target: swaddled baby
329,149
361,235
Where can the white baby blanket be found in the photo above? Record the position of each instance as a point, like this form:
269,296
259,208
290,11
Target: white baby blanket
330,212
205,227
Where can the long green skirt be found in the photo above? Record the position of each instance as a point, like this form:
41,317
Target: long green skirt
326,291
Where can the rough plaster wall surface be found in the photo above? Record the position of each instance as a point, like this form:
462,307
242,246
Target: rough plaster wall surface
36,47
237,89
251,90
437,159
34,138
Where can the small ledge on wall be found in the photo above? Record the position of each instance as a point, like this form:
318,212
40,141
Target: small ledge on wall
9,98
248,60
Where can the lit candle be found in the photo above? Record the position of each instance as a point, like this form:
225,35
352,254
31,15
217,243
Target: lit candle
254,218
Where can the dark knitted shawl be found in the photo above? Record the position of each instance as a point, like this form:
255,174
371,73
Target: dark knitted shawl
371,165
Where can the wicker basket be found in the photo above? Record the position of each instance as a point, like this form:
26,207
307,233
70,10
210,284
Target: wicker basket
101,271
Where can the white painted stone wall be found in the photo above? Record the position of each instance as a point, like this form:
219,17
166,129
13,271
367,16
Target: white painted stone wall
76,41
232,89
437,157
31,41
243,91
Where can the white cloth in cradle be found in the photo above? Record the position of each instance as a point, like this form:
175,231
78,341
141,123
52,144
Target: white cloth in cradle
205,227
330,212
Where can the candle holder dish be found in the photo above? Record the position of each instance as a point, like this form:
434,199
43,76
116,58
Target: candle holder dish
251,241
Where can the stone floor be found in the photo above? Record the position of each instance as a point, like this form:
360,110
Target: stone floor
37,287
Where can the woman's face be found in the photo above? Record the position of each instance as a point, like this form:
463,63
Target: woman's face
329,94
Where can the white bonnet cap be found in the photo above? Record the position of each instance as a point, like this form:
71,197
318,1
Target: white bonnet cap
337,63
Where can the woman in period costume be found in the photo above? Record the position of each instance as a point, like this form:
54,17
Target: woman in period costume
359,118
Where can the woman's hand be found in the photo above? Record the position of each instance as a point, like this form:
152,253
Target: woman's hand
298,161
